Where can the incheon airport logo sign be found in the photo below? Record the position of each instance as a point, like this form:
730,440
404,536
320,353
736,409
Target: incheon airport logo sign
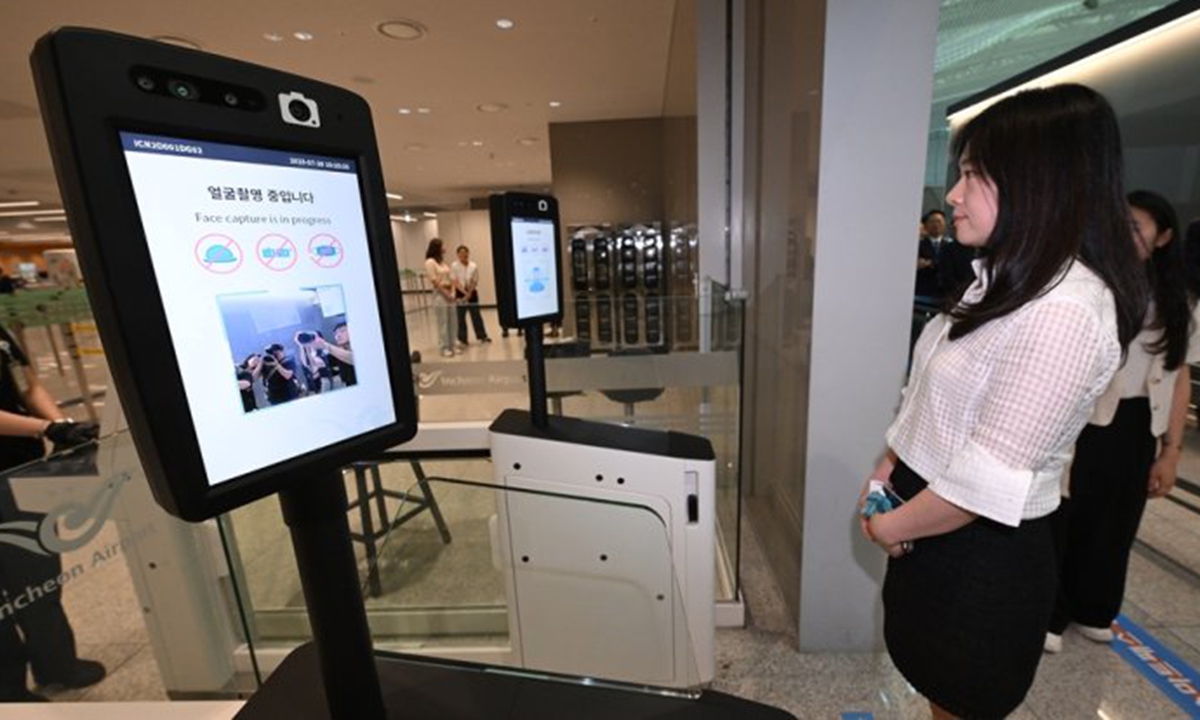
67,527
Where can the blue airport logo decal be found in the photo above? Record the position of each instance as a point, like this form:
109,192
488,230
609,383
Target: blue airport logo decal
50,536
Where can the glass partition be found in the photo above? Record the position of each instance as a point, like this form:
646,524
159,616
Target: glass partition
673,386
508,576
106,596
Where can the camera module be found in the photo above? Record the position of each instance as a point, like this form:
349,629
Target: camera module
146,83
299,110
182,89
231,99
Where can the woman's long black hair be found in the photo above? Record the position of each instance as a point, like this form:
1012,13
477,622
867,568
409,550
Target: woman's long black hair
435,250
1055,156
1167,274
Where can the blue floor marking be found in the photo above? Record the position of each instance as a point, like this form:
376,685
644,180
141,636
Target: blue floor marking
857,716
1174,677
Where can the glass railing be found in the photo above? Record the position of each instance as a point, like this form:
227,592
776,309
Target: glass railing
521,578
686,383
93,571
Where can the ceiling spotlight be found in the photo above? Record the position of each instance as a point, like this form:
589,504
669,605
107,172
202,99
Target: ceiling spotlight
555,103
302,36
405,111
505,24
527,141
476,143
423,111
402,29
273,37
395,196
491,107
416,147
429,214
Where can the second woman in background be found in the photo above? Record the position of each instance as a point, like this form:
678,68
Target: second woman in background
438,274
1131,446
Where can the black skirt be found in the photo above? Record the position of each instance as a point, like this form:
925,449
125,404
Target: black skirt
966,613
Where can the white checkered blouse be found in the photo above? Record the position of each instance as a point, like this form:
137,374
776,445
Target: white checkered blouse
990,420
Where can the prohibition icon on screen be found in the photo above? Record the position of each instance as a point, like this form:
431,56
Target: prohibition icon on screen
325,251
276,252
219,254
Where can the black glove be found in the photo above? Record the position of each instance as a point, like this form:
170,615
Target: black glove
66,434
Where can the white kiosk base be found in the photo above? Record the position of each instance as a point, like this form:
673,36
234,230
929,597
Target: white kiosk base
608,533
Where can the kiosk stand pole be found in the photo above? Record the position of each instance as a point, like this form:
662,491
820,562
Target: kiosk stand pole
315,511
537,375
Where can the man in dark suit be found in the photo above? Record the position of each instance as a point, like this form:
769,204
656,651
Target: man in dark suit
933,234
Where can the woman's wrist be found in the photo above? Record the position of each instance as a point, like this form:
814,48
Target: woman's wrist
1170,446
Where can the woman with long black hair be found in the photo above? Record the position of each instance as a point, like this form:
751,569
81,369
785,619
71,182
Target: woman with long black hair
1130,449
1000,387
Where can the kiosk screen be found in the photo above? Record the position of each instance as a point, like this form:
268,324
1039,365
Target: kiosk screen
533,245
272,307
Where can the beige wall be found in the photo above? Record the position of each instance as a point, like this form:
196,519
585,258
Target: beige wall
608,171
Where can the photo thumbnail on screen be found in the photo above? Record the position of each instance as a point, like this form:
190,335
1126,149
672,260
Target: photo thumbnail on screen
288,345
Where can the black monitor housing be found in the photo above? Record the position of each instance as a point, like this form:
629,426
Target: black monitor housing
528,259
222,210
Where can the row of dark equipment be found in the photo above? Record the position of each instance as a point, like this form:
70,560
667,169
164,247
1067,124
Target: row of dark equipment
633,288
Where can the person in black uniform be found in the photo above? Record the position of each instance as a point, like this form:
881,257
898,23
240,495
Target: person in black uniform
249,371
37,635
279,375
341,357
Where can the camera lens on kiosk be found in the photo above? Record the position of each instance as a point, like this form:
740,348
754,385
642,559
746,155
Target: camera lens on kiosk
145,82
231,99
182,89
300,110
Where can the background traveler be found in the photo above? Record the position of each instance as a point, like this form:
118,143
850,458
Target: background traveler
1130,449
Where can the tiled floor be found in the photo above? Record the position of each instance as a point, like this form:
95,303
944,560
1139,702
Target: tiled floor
759,662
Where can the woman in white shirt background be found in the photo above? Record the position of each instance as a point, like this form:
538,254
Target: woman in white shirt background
438,274
1130,449
1000,387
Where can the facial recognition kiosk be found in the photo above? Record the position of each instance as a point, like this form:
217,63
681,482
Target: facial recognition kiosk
609,530
231,222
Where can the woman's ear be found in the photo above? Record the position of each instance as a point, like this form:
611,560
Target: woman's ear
1164,238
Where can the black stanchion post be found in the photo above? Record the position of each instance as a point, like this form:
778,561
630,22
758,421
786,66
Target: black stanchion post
315,511
537,374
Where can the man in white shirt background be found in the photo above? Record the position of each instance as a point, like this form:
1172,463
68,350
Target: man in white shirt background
465,274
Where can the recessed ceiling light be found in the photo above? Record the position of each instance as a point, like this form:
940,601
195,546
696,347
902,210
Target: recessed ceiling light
476,143
491,107
555,103
416,147
429,214
405,111
303,36
462,143
424,111
273,37
19,203
177,40
527,141
55,218
395,196
505,24
402,29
